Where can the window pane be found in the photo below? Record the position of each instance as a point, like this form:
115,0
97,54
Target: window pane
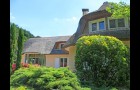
121,22
65,62
112,23
61,45
101,25
61,62
94,26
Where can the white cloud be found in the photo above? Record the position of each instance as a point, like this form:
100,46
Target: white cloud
11,16
67,20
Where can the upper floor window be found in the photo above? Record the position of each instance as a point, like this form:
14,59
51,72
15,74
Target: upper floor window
116,23
121,22
101,25
61,45
94,26
112,23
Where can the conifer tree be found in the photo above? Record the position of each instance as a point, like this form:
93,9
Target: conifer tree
20,47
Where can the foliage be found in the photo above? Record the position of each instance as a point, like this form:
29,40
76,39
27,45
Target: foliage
119,10
27,35
102,60
20,47
21,88
13,67
15,41
23,65
43,78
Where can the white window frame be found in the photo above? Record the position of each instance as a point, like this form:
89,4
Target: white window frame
109,23
116,22
104,25
63,61
96,21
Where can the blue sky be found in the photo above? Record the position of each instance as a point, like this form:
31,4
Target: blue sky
47,18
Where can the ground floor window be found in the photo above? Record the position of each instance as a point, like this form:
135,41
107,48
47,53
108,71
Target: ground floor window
35,59
63,62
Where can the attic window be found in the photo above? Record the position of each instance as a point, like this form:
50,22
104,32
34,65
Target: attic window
61,45
116,23
94,26
121,22
112,23
101,25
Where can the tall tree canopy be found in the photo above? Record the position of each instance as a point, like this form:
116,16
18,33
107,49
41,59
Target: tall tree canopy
20,47
17,37
119,10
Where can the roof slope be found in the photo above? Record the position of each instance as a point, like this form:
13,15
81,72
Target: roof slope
44,45
83,26
103,7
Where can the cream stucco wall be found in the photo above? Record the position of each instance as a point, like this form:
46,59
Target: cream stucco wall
50,59
72,53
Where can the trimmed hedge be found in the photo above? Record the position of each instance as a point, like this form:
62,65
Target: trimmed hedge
43,78
102,61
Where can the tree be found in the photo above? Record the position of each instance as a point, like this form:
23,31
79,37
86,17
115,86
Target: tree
102,60
20,47
14,35
13,43
119,10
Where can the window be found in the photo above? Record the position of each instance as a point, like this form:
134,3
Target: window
34,61
101,25
94,26
63,62
61,45
112,23
121,22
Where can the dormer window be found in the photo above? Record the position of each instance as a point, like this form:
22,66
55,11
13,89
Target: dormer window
121,22
117,23
94,26
112,23
101,25
97,25
59,45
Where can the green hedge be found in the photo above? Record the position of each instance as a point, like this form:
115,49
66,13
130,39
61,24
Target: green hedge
102,60
43,78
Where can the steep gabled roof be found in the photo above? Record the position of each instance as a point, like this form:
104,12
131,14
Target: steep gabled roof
44,45
103,7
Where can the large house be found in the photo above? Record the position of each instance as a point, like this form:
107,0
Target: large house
60,51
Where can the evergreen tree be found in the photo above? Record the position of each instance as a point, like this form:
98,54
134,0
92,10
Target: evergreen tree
20,47
13,42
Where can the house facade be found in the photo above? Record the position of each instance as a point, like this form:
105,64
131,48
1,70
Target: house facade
62,52
47,51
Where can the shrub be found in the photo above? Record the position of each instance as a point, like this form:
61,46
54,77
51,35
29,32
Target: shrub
43,78
13,67
102,60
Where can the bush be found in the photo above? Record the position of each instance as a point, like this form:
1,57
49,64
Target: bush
102,60
43,78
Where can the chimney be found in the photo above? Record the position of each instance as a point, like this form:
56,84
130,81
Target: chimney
85,11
